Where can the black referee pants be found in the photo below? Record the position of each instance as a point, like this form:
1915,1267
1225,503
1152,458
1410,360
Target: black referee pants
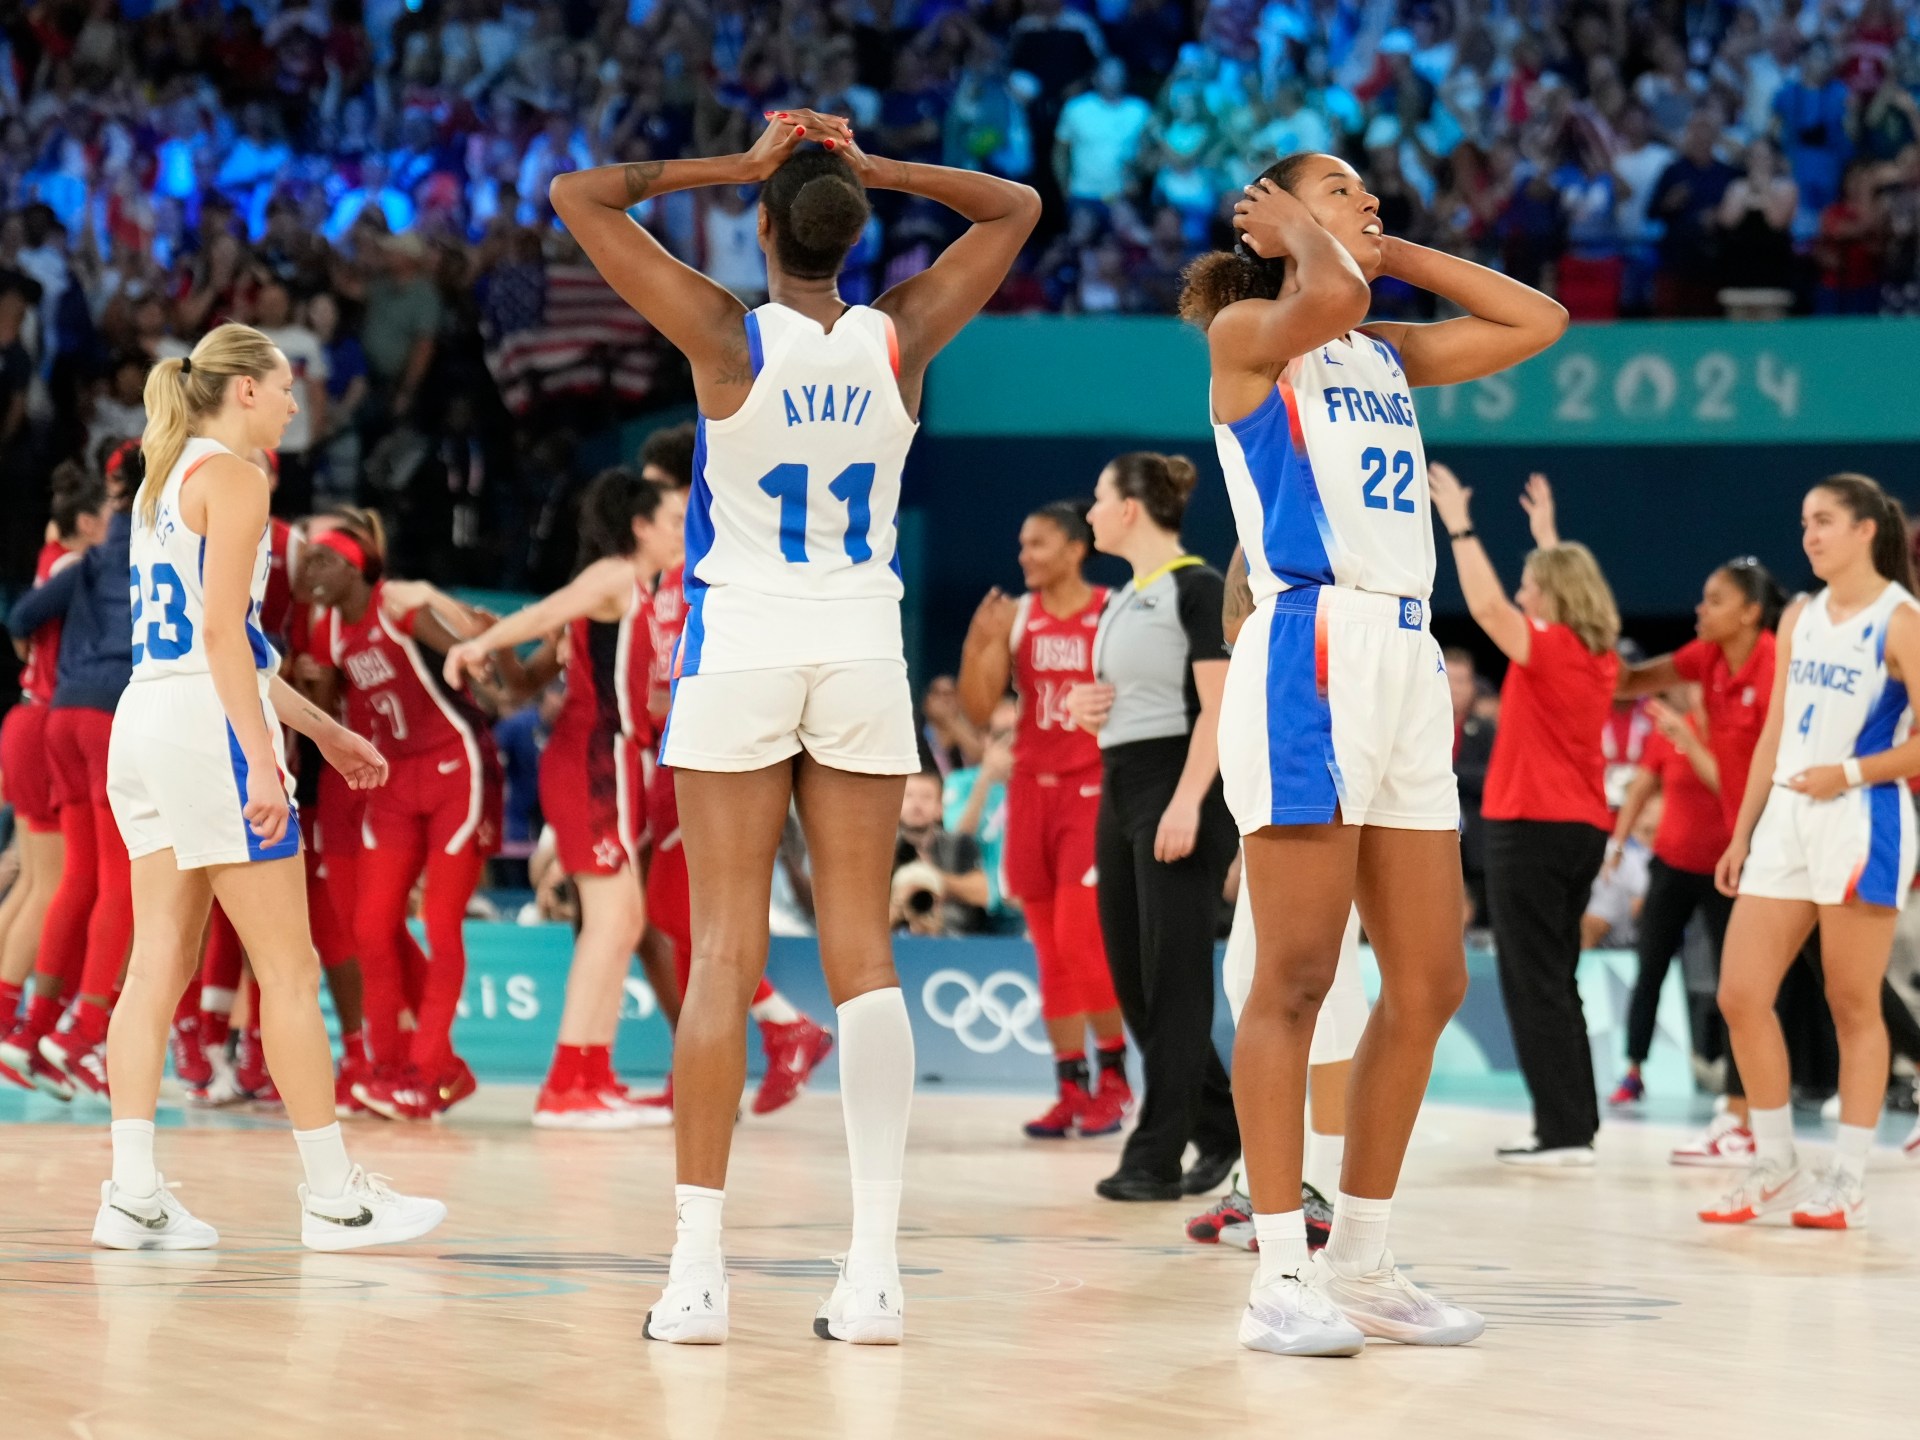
1539,875
1673,898
1159,922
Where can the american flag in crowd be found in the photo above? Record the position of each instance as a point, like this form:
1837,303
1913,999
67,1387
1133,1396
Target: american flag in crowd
586,340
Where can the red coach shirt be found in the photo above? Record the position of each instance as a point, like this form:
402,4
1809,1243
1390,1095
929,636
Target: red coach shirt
1736,702
1693,831
1547,759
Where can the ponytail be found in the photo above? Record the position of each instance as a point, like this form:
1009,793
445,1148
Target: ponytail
181,393
1226,277
1757,587
1865,500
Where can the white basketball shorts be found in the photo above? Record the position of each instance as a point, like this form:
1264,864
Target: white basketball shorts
856,715
1343,1012
1337,701
1857,846
176,778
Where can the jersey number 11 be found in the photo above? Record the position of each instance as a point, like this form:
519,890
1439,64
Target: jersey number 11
853,487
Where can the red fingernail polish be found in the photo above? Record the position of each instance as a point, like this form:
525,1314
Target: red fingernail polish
799,130
829,144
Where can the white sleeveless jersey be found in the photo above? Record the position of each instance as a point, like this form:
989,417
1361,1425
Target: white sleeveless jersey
1328,478
1840,702
791,525
167,569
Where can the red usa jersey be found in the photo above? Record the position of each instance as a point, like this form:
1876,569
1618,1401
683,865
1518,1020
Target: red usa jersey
666,618
609,667
277,608
43,646
1052,654
394,691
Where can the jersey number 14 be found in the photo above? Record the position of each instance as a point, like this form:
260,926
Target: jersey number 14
853,487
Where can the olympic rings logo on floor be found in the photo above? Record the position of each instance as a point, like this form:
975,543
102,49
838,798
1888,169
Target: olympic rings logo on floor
981,1007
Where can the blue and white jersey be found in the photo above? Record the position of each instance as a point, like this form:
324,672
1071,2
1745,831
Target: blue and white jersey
1328,478
1840,703
167,566
792,523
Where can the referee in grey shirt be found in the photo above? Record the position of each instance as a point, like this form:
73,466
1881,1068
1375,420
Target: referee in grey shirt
1165,838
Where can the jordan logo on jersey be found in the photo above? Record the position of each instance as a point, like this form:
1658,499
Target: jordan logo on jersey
369,668
821,405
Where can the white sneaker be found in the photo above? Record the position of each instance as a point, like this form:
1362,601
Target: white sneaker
369,1212
691,1311
1768,1193
1387,1304
148,1222
871,1311
1558,1157
1291,1317
1727,1145
1836,1201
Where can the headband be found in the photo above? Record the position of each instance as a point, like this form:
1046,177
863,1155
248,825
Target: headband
345,546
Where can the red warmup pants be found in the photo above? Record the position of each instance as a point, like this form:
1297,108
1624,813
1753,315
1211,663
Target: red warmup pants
669,908
434,820
1051,871
26,771
90,921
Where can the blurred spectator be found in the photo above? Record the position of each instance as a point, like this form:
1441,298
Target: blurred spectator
1686,199
1472,753
1853,233
1755,222
1812,110
1099,135
939,887
975,803
273,314
402,323
1612,916
950,739
521,737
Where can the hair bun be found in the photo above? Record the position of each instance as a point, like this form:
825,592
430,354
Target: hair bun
1181,472
827,213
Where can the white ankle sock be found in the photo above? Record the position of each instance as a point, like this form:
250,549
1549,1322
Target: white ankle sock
1772,1135
1283,1245
696,1230
133,1170
1359,1239
776,1009
324,1154
1324,1155
876,1094
1850,1150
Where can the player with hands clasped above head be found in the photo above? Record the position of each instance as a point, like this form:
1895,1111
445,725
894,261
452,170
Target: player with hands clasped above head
790,677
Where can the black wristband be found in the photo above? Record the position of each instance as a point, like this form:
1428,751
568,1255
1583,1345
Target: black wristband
1466,534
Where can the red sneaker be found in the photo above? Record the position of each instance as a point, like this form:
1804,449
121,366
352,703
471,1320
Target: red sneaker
578,1108
456,1085
792,1052
354,1069
23,1064
85,1065
250,1076
188,1048
1059,1122
1232,1209
1106,1112
407,1095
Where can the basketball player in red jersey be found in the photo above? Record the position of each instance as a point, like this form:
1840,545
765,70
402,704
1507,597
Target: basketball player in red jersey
442,817
592,782
794,1043
79,520
1044,643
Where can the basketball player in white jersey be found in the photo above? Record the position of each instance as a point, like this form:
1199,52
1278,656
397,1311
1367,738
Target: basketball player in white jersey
193,773
790,681
1825,836
1336,727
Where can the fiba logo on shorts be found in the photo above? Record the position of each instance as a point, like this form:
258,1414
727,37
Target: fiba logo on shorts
1409,614
982,1018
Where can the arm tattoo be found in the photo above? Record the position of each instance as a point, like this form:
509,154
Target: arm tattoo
640,177
1237,604
736,366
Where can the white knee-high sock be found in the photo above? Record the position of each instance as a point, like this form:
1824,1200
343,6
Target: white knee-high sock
876,1094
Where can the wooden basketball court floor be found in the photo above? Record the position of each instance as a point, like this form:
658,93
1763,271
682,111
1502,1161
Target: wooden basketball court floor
1034,1309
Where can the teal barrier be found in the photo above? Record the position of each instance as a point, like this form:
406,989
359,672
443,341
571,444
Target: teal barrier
975,1007
1633,383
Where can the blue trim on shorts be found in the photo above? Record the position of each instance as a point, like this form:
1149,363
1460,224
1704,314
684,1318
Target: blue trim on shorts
1300,760
1879,882
257,849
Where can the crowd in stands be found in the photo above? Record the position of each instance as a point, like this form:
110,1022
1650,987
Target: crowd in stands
368,178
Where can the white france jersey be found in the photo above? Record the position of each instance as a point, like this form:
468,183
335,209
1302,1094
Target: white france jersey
167,572
791,525
1840,703
1328,478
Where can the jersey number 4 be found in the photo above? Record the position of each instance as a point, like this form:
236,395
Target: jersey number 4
1374,461
171,635
853,487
